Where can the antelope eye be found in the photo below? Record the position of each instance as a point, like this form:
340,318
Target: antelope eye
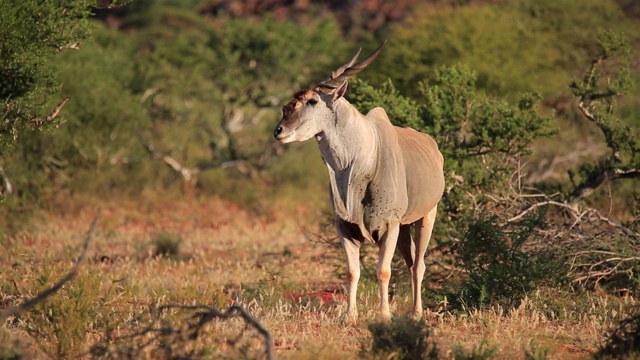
312,102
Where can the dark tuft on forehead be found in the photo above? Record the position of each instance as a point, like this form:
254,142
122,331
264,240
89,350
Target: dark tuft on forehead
301,95
288,109
297,97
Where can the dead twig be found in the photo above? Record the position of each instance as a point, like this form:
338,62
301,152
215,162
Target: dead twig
615,224
190,174
29,304
163,338
7,187
571,208
70,46
600,274
53,115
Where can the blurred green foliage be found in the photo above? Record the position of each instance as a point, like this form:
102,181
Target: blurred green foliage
198,91
31,33
513,46
173,86
205,90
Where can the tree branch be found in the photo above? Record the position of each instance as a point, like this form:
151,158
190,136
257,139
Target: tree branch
588,188
70,46
167,337
532,207
615,152
615,224
53,115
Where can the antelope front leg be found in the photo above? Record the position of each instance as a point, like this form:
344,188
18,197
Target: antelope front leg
352,249
387,246
424,227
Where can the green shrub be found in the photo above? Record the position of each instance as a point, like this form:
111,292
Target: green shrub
12,351
401,338
482,351
536,352
63,321
508,43
31,34
498,270
623,342
166,244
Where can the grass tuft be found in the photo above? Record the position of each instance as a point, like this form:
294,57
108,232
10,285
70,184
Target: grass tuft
481,351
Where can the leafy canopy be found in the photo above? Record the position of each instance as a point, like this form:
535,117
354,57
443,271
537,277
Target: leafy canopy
31,33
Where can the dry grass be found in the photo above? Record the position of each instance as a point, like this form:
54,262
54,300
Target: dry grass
265,264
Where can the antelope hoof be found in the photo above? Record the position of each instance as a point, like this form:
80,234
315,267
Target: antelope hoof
349,319
385,316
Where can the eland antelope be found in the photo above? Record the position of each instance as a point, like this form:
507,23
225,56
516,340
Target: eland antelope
383,178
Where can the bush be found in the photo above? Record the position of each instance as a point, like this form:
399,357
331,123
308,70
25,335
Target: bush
498,270
30,35
482,351
401,338
508,43
63,321
623,342
166,244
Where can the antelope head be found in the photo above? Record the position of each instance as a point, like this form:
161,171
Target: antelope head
303,117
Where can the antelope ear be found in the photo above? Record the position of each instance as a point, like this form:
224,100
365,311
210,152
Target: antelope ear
339,92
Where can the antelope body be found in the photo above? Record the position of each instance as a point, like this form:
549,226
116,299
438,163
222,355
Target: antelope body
383,179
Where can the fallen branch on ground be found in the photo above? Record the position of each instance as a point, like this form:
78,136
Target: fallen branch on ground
29,304
163,339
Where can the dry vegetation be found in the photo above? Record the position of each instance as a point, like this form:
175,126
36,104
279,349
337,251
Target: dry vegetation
215,254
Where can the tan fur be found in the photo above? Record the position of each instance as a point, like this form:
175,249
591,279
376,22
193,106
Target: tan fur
383,179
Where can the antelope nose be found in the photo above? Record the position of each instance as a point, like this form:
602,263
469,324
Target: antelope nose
277,131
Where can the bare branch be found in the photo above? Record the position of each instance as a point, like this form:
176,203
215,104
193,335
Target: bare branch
619,226
615,152
549,168
29,304
53,115
600,274
70,46
625,174
588,188
161,335
532,207
7,187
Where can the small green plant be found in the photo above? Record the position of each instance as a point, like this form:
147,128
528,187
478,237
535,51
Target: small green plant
480,351
63,321
401,338
166,244
536,352
499,271
12,351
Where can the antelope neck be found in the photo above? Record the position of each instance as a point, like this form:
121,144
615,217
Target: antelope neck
347,138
